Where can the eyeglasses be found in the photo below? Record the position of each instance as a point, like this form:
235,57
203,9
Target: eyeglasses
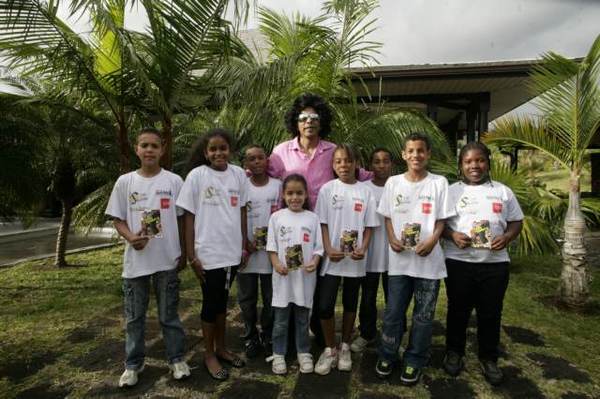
304,117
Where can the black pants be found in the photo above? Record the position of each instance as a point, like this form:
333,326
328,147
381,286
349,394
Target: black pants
328,295
479,286
248,298
215,292
367,315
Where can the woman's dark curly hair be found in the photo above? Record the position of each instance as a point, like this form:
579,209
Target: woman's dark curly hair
304,101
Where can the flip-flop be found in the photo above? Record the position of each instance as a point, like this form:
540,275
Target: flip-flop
220,375
235,361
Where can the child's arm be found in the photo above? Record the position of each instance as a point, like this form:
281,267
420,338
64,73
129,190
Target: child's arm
245,251
137,242
512,231
460,239
425,247
279,268
181,230
331,252
395,243
359,252
312,265
189,220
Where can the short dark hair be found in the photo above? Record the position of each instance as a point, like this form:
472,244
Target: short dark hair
379,149
304,101
249,147
298,178
417,136
197,157
149,130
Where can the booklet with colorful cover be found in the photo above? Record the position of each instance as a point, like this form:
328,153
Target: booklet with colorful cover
411,233
348,241
260,237
151,226
481,236
293,257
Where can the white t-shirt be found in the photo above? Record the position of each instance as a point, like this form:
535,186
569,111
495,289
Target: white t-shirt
377,258
291,233
134,198
418,205
492,202
346,209
262,202
215,198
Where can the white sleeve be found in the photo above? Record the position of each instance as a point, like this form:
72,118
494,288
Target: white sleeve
445,210
117,203
385,201
371,219
513,209
177,184
321,209
243,188
188,196
318,249
271,232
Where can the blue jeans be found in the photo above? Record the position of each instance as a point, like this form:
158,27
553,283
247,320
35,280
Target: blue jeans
400,292
281,326
136,295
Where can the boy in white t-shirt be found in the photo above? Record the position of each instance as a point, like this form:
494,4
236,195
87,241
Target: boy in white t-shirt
263,200
142,206
415,206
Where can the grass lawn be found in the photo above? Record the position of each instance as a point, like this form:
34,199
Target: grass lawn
62,334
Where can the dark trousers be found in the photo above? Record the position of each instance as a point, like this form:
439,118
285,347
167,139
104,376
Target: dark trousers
367,315
315,321
248,299
215,292
329,289
479,286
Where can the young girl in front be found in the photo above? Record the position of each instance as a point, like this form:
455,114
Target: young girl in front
214,197
487,218
346,209
295,248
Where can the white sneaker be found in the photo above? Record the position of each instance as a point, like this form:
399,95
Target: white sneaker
345,358
278,367
305,360
180,370
129,377
359,344
326,362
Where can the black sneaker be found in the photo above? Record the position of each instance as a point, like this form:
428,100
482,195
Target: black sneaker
453,363
252,348
383,368
410,375
491,372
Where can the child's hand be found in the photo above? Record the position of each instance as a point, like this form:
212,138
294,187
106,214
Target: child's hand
396,245
181,263
461,239
251,246
335,255
198,269
137,241
358,253
425,247
310,267
279,268
500,242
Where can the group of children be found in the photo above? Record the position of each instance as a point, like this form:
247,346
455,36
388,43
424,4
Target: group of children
225,220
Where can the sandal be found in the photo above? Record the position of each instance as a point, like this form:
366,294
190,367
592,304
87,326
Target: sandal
234,361
220,375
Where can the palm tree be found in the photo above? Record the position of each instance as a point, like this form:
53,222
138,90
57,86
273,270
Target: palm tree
570,106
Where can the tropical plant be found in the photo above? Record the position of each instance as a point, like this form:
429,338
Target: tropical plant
570,107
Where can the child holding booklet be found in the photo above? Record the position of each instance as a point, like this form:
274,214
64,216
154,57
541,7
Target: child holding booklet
488,217
346,208
414,205
295,248
142,206
263,200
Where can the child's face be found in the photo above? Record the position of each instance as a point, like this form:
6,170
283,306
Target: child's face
309,123
475,166
294,195
416,154
381,165
149,149
344,167
217,152
256,161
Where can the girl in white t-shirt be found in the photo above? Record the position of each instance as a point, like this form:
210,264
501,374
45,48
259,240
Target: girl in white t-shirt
294,246
346,208
214,197
487,217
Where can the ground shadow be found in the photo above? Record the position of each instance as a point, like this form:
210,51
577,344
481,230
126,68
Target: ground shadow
558,368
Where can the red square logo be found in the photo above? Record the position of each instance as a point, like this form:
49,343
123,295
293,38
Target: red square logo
497,207
358,206
306,237
426,207
234,200
165,203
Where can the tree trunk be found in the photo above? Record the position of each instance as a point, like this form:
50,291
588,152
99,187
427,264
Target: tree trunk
574,278
63,234
167,132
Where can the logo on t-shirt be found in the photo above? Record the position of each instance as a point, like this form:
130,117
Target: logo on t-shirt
136,197
164,192
497,207
358,206
426,207
401,199
337,201
165,203
211,196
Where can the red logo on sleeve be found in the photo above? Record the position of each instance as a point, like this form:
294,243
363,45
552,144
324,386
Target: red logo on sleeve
165,203
426,207
358,206
497,207
234,200
306,237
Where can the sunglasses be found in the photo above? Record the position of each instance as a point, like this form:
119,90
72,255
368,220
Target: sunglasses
304,117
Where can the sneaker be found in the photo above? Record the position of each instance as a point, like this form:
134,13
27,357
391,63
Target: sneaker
305,361
326,362
345,358
180,370
359,344
491,372
410,375
383,368
278,366
129,377
252,347
453,363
